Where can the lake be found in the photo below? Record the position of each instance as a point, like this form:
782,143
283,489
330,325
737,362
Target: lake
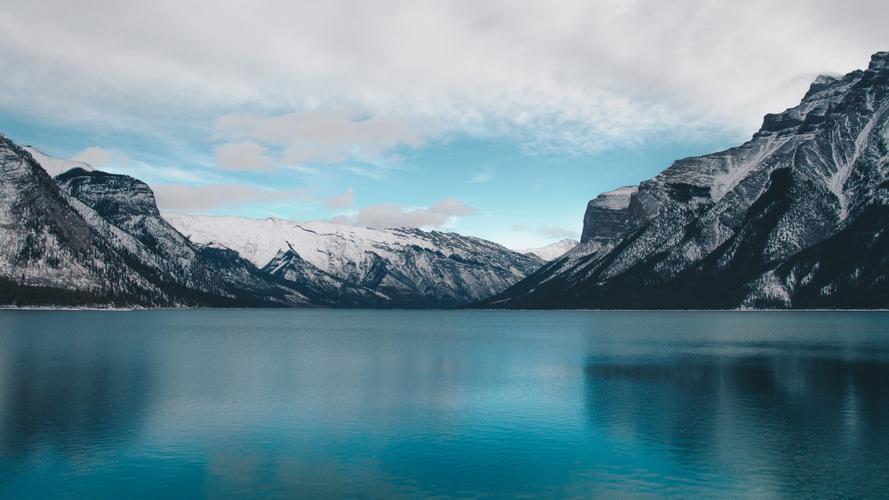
320,403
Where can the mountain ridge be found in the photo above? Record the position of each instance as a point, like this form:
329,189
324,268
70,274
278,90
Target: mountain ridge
96,239
408,266
722,230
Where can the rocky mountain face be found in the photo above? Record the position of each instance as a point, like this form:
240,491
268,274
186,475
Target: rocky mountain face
50,253
92,238
380,267
794,218
119,203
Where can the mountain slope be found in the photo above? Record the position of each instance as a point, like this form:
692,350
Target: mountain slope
50,253
751,226
124,211
92,238
403,267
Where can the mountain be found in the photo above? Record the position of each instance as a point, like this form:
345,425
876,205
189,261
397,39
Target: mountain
397,267
92,238
551,251
54,166
119,204
793,218
87,237
50,253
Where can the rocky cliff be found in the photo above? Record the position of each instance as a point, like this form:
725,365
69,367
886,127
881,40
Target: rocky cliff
752,226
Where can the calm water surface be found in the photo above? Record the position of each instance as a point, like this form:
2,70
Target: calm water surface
262,403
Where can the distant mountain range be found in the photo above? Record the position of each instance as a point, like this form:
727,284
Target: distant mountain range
553,250
90,238
398,267
797,217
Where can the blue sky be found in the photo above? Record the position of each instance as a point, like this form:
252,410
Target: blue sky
474,117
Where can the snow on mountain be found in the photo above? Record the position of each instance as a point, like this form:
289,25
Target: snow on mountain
127,207
553,250
750,226
92,238
55,166
409,266
49,253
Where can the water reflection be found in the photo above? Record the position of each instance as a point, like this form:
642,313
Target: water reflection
66,395
803,424
459,403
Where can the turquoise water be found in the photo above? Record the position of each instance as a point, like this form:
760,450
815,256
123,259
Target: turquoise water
268,403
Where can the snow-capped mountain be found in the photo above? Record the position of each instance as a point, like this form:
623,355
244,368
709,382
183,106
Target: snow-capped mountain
403,267
92,238
50,253
88,237
795,217
553,250
124,209
55,166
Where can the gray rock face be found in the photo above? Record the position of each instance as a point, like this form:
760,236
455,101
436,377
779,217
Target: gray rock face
608,217
715,230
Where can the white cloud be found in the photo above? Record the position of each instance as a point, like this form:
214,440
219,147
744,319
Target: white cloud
390,215
322,136
345,200
451,207
185,198
548,232
93,155
243,156
572,77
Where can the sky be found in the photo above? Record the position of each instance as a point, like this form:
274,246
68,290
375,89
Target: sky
497,119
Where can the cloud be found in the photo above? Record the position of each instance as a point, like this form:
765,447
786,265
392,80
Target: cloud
185,198
480,177
575,78
323,136
243,156
345,200
451,207
93,155
549,232
391,215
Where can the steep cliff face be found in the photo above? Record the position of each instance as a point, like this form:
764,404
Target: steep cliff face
608,217
730,229
403,267
50,253
92,238
125,211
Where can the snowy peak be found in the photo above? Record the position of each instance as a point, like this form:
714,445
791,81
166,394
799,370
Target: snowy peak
55,166
410,267
553,250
